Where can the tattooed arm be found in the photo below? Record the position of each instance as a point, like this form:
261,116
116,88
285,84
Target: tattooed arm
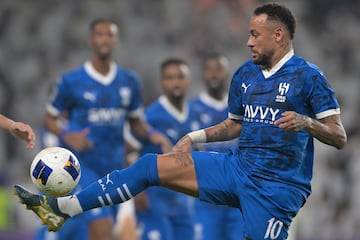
226,130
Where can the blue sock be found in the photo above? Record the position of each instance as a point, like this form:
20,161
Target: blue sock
121,185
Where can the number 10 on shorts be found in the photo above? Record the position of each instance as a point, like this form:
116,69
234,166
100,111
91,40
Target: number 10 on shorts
273,229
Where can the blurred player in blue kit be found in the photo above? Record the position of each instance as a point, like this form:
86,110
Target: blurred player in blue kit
278,103
215,222
170,214
96,99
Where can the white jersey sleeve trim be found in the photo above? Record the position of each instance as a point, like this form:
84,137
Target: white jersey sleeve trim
52,110
139,112
328,113
234,116
129,137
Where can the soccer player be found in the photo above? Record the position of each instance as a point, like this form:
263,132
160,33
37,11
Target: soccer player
170,214
96,99
215,222
18,129
278,103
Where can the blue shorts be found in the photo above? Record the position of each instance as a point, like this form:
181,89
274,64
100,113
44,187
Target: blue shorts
267,207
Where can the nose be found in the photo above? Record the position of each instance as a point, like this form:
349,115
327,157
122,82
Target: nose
250,42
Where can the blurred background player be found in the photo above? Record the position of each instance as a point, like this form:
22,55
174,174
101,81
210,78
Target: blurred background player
97,98
169,215
215,222
18,129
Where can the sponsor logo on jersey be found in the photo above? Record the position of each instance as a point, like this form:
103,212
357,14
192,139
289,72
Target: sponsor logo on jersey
260,114
105,115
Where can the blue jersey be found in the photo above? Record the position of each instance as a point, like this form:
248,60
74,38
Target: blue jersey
170,212
215,222
163,117
259,98
102,104
212,112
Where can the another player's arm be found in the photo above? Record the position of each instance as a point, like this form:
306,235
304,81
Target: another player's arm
19,130
328,130
225,130
143,131
50,123
77,139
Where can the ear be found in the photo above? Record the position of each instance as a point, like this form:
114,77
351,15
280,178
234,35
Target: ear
279,34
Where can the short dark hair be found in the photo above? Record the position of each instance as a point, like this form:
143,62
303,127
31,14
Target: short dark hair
279,13
172,61
213,55
96,21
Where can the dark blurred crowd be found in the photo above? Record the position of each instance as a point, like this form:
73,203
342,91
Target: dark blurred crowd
39,40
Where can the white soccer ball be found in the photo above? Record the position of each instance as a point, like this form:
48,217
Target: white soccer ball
55,171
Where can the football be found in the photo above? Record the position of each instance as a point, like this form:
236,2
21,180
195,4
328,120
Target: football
55,171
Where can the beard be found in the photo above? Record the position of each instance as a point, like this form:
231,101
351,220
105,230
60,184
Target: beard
263,59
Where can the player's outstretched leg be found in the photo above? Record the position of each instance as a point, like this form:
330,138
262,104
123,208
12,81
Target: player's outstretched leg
44,206
114,188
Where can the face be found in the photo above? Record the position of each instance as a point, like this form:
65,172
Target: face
216,73
262,40
103,39
175,81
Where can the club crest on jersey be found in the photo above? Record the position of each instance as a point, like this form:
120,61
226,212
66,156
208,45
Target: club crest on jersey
125,94
283,89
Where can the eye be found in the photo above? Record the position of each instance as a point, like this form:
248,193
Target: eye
254,34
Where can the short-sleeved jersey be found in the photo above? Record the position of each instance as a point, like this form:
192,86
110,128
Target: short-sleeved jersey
163,117
101,104
212,111
174,207
265,151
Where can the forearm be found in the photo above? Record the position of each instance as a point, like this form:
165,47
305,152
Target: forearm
50,123
226,130
5,123
139,128
328,130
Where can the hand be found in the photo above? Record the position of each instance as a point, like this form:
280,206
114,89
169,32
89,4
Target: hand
78,140
292,121
183,145
142,202
160,139
24,132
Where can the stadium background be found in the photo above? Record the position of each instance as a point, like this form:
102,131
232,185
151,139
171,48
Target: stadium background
41,39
